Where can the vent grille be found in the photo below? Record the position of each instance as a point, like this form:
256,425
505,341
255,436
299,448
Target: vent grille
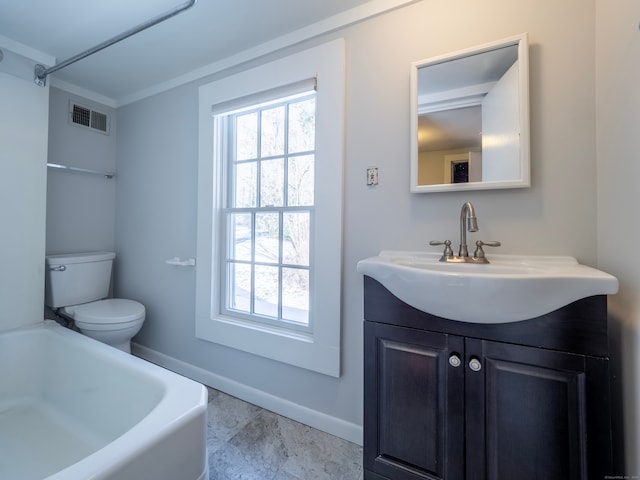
99,121
81,115
92,119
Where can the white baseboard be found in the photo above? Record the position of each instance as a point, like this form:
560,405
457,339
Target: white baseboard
321,421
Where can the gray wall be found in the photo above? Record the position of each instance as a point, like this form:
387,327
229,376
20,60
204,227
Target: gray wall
618,143
157,160
80,208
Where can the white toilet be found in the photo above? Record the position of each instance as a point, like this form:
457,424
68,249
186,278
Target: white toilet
77,287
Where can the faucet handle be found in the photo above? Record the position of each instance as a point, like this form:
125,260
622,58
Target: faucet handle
448,251
479,252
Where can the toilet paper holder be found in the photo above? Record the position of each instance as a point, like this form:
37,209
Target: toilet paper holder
189,262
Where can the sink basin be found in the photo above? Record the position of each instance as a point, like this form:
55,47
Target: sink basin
509,289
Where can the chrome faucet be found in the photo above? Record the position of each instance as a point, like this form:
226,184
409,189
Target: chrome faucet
468,213
468,222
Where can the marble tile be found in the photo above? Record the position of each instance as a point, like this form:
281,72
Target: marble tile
320,456
226,416
232,463
282,475
246,442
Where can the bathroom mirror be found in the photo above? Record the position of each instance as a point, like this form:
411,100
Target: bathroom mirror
470,118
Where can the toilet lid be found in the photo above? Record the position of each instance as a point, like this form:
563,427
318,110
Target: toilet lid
109,311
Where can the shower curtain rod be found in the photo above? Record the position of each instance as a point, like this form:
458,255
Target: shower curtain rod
41,72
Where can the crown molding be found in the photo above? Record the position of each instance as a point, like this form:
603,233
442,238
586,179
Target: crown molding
342,20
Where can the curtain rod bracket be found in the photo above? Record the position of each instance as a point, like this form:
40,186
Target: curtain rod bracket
40,75
41,72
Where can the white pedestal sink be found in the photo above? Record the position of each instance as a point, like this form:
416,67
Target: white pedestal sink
509,289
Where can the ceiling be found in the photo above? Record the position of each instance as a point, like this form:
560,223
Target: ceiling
210,32
450,129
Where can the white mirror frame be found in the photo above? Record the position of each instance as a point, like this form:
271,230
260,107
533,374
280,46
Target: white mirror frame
523,82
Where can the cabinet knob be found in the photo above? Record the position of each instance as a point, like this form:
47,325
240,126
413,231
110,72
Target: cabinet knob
475,365
454,360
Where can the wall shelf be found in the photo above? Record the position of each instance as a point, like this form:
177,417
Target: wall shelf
58,166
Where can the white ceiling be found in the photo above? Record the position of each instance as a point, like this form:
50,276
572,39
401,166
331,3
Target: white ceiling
211,32
450,129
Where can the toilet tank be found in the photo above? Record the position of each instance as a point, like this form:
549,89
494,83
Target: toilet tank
76,278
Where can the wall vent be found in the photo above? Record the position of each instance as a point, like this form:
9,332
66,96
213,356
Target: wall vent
86,117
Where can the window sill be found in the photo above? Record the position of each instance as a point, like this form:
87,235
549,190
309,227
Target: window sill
295,348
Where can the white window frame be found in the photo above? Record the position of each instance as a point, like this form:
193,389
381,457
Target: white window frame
318,349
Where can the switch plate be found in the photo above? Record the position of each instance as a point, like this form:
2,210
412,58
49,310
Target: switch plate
372,176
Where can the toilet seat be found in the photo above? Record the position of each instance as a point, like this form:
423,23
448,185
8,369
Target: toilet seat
109,313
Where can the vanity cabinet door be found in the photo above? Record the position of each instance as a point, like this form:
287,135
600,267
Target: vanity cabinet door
535,413
413,405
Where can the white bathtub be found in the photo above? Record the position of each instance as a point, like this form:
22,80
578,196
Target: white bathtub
73,408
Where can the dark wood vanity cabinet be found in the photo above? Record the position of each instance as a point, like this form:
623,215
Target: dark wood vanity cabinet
452,400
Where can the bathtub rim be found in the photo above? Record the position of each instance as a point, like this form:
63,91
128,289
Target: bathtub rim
184,401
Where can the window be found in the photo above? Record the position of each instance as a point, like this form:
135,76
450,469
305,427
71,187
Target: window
270,209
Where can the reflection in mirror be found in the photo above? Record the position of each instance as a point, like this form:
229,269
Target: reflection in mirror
470,119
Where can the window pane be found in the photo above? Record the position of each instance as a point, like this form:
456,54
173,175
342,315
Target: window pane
267,237
272,183
240,240
269,212
272,134
246,185
239,286
266,294
300,181
295,248
302,126
247,136
295,295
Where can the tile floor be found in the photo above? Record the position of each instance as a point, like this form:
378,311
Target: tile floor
246,442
